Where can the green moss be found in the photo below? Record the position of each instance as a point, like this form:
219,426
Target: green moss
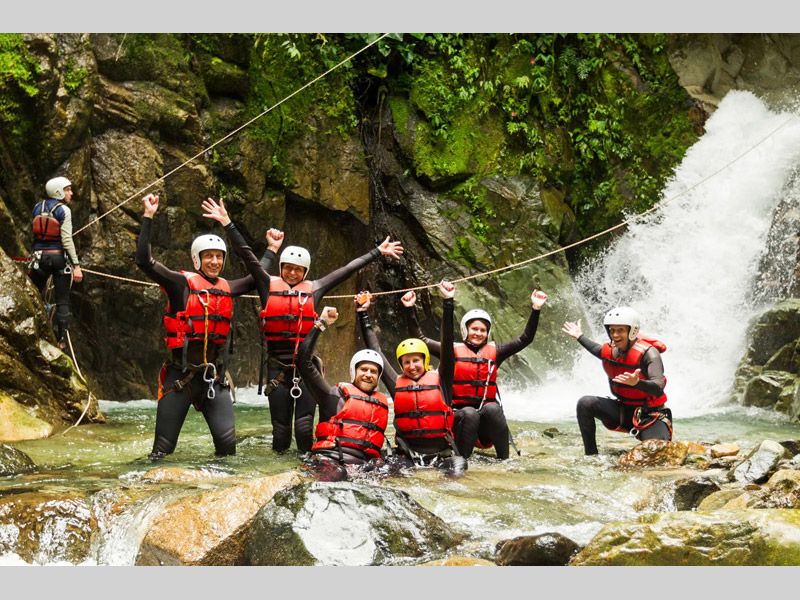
73,78
18,71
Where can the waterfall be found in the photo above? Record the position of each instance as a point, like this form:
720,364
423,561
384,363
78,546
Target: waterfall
689,268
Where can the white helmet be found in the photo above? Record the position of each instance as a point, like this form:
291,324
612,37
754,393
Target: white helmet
365,355
623,315
471,315
296,255
205,242
55,187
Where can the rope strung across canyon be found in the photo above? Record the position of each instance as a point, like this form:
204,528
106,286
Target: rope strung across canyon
231,134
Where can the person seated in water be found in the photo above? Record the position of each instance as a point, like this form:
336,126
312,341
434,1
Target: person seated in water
198,325
288,310
423,414
636,377
354,414
479,418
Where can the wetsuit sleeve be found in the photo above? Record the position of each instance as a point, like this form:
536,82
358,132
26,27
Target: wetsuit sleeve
510,348
258,278
652,380
593,347
331,280
389,375
324,395
173,282
66,237
447,361
414,330
267,259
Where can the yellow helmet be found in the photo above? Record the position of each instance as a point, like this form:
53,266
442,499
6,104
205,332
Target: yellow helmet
413,346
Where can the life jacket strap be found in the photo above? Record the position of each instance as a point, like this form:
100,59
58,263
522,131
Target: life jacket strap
416,388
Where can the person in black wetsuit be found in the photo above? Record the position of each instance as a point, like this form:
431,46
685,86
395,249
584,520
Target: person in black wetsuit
636,377
287,316
352,416
479,418
54,251
198,320
423,416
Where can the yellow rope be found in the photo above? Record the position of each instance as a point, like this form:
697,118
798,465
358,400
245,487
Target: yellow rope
231,134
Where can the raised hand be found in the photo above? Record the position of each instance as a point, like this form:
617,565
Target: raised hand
274,239
329,314
447,288
391,248
573,329
628,378
216,211
363,301
409,299
150,205
538,298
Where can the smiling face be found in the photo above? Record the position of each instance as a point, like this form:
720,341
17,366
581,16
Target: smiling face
413,365
211,262
292,274
619,335
68,194
367,375
477,332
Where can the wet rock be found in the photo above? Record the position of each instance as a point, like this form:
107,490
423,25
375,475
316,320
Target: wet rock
545,550
46,528
770,388
718,450
723,462
759,463
717,500
727,538
17,424
13,461
209,529
551,432
345,524
689,494
655,453
783,490
177,474
792,446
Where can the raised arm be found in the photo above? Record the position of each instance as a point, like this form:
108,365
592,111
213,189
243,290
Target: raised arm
511,347
574,330
447,361
314,380
323,285
389,375
173,282
409,301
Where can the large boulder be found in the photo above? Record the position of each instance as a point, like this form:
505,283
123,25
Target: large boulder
757,466
543,550
345,524
207,529
725,538
656,453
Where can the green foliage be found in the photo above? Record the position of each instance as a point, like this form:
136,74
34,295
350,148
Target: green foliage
18,73
73,78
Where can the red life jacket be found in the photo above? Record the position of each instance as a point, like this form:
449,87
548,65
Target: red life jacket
192,322
627,362
360,424
289,312
419,409
471,374
46,226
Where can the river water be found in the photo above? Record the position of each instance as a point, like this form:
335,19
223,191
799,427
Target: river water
689,269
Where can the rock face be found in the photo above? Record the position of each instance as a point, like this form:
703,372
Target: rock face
344,524
208,529
545,550
727,538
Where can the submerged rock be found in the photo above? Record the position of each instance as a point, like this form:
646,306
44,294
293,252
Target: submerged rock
759,463
209,529
727,538
545,550
14,462
345,524
689,494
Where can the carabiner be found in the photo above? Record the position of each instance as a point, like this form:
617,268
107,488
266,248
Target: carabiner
295,392
633,432
212,393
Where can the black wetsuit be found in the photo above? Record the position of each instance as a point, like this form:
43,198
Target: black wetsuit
52,261
174,405
329,399
436,451
613,413
487,424
281,353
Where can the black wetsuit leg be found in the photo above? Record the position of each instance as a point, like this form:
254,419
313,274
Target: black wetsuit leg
54,263
281,409
219,416
656,431
466,421
304,408
170,415
613,415
493,428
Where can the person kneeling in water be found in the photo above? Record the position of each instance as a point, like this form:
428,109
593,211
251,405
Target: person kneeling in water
479,419
636,377
423,414
353,416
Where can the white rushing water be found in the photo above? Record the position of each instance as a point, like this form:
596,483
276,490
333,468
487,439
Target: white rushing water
689,268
